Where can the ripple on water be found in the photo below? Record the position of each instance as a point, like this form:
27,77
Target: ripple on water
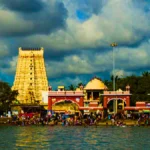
72,138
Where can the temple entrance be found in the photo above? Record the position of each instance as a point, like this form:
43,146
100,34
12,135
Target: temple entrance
116,100
120,106
115,106
65,106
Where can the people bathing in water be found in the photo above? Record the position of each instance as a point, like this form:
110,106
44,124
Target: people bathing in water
113,119
92,119
119,123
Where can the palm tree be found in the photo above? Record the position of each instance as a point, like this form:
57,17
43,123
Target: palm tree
80,84
106,82
71,87
145,74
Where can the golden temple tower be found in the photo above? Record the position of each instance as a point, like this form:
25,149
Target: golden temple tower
30,79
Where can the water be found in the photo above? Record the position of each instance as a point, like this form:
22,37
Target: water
74,138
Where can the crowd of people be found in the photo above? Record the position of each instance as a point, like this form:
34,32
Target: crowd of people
119,119
68,119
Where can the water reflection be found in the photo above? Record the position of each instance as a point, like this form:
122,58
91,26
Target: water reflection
58,137
32,137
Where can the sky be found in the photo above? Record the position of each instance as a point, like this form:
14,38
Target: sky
76,36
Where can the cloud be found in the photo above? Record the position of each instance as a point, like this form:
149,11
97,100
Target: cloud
12,24
122,73
90,6
144,5
25,6
66,81
127,61
3,49
118,21
133,58
10,65
16,23
76,36
72,64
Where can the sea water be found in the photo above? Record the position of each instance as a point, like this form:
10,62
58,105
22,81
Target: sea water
74,138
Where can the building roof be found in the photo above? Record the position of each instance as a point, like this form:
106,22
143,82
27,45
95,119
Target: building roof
95,84
119,90
61,87
31,48
78,89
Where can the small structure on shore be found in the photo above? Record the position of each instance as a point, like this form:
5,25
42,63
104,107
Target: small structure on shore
141,106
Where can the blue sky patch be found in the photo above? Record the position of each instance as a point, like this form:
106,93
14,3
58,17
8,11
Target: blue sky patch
81,15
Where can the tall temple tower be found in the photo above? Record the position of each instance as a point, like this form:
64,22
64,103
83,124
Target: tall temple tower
30,79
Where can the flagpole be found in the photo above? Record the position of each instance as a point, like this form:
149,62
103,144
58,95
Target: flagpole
113,45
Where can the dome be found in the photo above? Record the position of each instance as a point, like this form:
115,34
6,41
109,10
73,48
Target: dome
95,84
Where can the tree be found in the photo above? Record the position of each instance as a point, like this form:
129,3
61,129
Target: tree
145,73
139,86
7,96
80,84
71,87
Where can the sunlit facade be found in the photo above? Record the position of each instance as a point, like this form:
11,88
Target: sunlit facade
31,78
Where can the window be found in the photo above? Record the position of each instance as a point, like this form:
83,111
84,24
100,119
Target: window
96,95
30,78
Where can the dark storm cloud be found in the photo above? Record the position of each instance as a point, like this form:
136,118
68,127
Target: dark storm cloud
51,16
51,19
25,6
59,55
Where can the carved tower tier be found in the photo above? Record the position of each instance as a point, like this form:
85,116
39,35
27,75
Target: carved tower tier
31,78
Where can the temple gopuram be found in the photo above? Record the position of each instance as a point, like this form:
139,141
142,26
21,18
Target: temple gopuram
31,78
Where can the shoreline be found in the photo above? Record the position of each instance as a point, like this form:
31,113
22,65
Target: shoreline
4,121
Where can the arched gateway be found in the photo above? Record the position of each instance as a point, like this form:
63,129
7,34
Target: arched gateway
111,95
116,96
76,97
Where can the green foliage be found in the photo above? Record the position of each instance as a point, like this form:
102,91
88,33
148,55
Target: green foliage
139,86
7,96
71,87
79,84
